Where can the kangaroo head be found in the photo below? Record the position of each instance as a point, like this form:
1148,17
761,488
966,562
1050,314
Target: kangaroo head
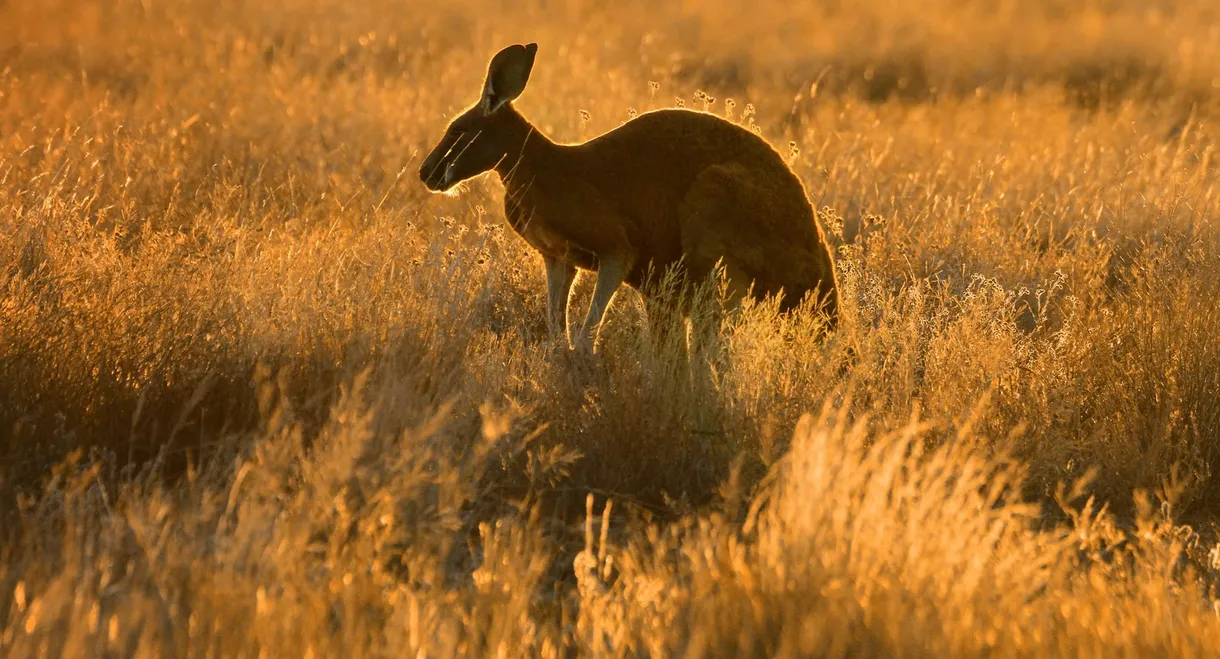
478,139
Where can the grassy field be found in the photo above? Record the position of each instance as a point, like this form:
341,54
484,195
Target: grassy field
262,395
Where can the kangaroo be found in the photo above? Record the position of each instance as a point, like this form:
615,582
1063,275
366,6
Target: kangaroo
668,187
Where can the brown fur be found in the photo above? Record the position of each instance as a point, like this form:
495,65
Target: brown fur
669,186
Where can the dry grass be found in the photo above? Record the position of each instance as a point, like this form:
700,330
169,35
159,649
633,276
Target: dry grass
261,395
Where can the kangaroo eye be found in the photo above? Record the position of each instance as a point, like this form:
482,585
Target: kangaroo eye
452,137
463,139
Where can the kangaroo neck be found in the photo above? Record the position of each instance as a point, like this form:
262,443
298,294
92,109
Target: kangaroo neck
527,148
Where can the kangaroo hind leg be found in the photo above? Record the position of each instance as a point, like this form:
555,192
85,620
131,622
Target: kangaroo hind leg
763,231
712,221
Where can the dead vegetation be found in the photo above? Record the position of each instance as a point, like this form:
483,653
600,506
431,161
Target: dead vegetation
261,392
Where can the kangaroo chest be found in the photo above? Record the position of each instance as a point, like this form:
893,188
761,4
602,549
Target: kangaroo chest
533,224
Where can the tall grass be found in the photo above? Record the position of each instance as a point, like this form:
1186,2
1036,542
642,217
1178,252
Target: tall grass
261,394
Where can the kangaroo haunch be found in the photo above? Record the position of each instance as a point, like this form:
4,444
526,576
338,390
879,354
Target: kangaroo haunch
668,187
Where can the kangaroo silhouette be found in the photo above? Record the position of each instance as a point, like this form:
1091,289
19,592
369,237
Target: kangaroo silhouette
668,187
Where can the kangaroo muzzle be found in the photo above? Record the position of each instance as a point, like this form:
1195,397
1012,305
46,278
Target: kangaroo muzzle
435,175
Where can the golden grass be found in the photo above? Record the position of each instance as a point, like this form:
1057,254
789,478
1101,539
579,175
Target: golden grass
262,395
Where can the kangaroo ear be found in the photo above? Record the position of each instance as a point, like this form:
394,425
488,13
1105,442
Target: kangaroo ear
507,75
